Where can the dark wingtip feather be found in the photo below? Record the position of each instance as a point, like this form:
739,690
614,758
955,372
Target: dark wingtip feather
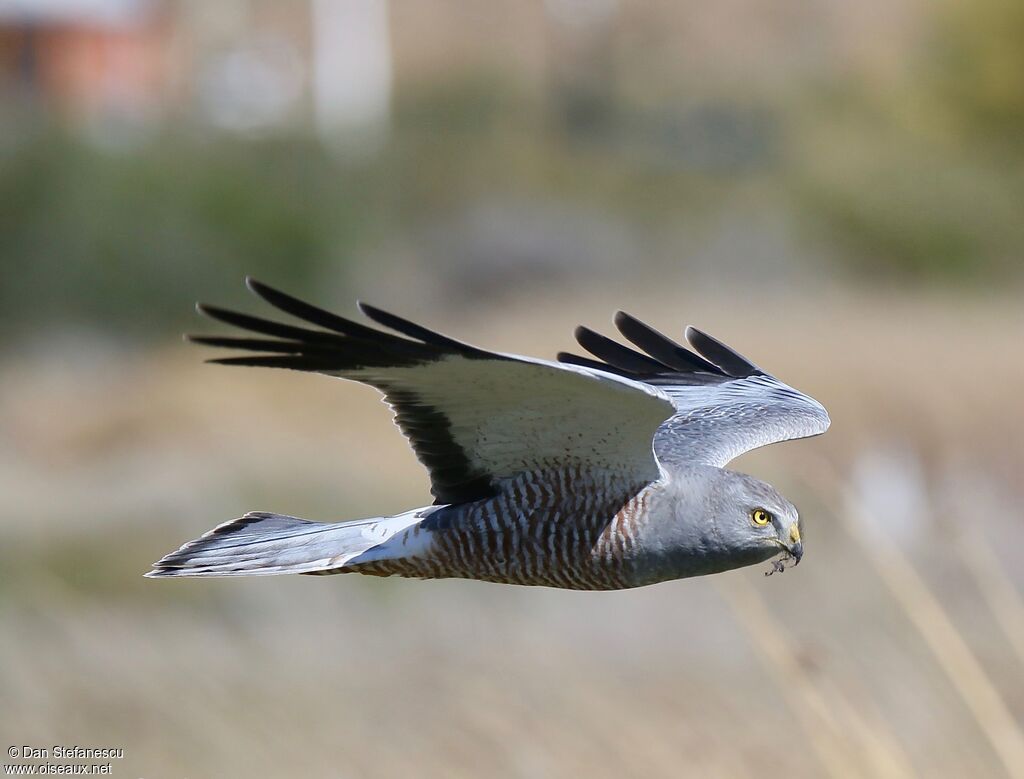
569,357
258,288
265,291
271,345
314,315
661,347
265,326
595,365
401,325
725,357
381,316
419,332
295,362
211,311
616,354
620,317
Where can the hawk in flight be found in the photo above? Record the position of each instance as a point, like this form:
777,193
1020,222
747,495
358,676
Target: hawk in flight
590,473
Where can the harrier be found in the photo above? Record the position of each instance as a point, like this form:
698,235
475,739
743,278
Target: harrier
589,473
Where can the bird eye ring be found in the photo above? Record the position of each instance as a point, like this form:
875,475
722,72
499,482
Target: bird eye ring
760,517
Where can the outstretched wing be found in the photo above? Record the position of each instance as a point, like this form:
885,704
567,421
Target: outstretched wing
473,417
725,405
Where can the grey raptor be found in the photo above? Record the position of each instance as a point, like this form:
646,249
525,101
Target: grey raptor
589,473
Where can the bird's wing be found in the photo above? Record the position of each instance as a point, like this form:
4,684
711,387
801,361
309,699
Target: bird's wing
473,417
725,405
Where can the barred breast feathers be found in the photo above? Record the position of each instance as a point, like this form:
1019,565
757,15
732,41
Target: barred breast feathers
560,528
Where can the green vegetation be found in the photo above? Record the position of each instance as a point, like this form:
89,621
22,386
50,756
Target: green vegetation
119,240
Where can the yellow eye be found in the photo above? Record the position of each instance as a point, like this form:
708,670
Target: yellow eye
760,517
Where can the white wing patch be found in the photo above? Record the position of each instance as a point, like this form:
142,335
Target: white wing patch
521,414
476,417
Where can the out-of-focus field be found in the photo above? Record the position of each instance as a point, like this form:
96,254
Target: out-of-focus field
832,188
110,457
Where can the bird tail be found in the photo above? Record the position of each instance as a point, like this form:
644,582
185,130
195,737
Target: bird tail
263,544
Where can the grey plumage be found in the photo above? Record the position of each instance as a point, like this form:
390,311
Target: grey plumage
587,473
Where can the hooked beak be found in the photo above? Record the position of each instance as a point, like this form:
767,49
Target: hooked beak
796,546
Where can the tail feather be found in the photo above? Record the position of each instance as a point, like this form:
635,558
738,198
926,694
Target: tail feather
263,544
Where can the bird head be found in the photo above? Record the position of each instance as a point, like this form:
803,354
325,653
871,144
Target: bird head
755,519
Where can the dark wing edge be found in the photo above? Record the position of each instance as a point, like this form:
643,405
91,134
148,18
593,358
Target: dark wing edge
339,346
660,359
725,404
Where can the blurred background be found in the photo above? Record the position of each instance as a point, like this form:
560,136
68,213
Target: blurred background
833,188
